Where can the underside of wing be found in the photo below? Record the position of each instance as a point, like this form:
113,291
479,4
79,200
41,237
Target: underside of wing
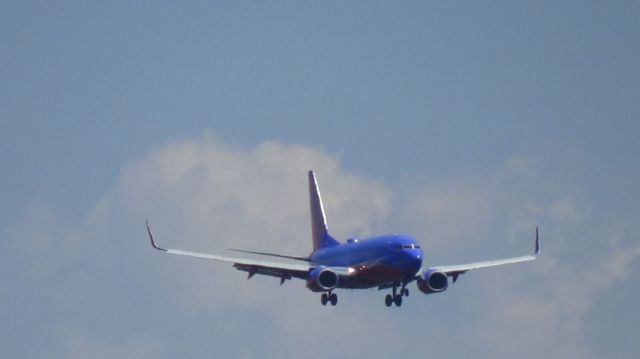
457,269
282,270
278,269
461,268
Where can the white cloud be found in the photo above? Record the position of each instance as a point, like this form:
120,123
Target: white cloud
555,309
533,310
245,197
102,278
205,195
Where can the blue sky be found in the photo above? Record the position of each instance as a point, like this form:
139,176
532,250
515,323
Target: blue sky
462,124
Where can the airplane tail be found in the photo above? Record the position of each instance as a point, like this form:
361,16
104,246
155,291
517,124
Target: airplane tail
319,232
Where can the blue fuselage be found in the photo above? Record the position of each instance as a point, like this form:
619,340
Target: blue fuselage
376,261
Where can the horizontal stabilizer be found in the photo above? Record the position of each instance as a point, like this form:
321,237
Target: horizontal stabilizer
306,259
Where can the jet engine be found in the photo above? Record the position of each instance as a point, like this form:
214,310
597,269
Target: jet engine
432,282
322,279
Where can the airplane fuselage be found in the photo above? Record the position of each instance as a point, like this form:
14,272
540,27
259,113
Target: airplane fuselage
375,261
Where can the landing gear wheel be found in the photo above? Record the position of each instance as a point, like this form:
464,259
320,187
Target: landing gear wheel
398,300
405,292
333,298
388,300
324,299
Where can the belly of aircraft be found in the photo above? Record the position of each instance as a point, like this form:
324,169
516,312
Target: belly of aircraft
372,276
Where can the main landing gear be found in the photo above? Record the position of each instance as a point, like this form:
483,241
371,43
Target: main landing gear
396,298
329,297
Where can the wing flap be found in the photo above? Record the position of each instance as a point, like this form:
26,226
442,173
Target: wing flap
273,272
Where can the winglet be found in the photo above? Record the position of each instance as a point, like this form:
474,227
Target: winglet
153,243
537,243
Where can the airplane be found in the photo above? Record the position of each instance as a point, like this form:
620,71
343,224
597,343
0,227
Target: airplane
387,262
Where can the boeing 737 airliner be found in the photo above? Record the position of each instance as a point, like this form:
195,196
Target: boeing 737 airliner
390,261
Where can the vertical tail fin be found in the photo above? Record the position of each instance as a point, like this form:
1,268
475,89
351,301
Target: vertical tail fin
319,233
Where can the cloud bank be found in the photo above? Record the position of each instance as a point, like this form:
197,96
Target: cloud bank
95,286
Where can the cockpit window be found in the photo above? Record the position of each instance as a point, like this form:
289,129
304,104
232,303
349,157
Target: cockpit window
410,246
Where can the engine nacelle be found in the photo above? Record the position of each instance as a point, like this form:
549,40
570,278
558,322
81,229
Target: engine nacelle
432,282
322,279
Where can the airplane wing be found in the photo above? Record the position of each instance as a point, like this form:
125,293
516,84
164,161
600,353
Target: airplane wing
281,270
455,270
